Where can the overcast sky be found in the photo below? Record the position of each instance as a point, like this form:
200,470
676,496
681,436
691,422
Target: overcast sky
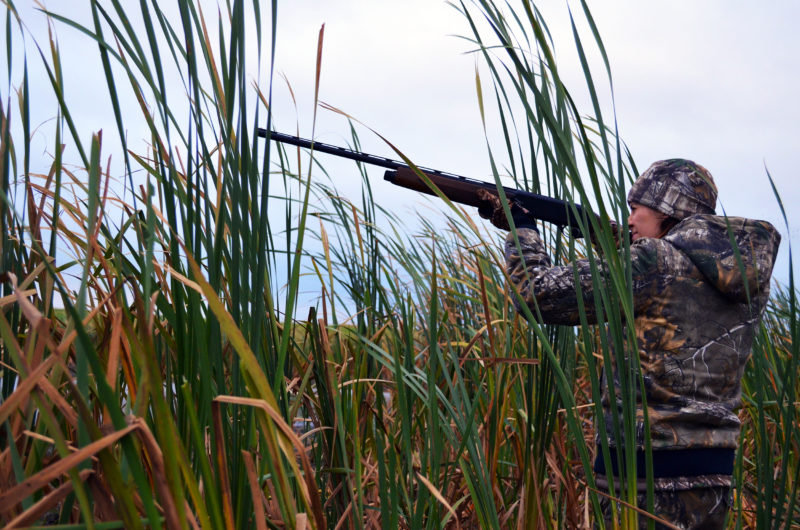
716,81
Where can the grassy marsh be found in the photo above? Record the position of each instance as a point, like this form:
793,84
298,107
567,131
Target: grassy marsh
176,382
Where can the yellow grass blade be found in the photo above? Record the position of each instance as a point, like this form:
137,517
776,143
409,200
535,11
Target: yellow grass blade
21,491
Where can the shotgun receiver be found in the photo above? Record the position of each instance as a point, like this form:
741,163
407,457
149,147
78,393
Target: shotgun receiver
455,187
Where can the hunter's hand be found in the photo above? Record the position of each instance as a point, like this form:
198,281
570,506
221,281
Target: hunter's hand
616,232
491,208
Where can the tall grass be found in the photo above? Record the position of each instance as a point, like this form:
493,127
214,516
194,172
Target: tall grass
177,383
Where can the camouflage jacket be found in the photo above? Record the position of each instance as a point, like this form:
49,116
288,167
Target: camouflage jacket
694,324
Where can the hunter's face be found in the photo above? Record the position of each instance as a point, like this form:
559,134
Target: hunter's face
644,221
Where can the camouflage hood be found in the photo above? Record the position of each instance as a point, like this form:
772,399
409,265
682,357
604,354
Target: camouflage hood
707,241
677,188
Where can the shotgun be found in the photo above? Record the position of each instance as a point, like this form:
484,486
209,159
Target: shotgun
458,189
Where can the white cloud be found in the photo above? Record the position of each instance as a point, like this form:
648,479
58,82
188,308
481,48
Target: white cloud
716,81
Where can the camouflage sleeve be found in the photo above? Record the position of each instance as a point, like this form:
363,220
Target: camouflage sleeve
554,289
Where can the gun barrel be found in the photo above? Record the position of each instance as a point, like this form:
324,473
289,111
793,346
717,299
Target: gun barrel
335,150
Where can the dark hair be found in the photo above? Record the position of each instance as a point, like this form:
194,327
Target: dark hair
668,223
